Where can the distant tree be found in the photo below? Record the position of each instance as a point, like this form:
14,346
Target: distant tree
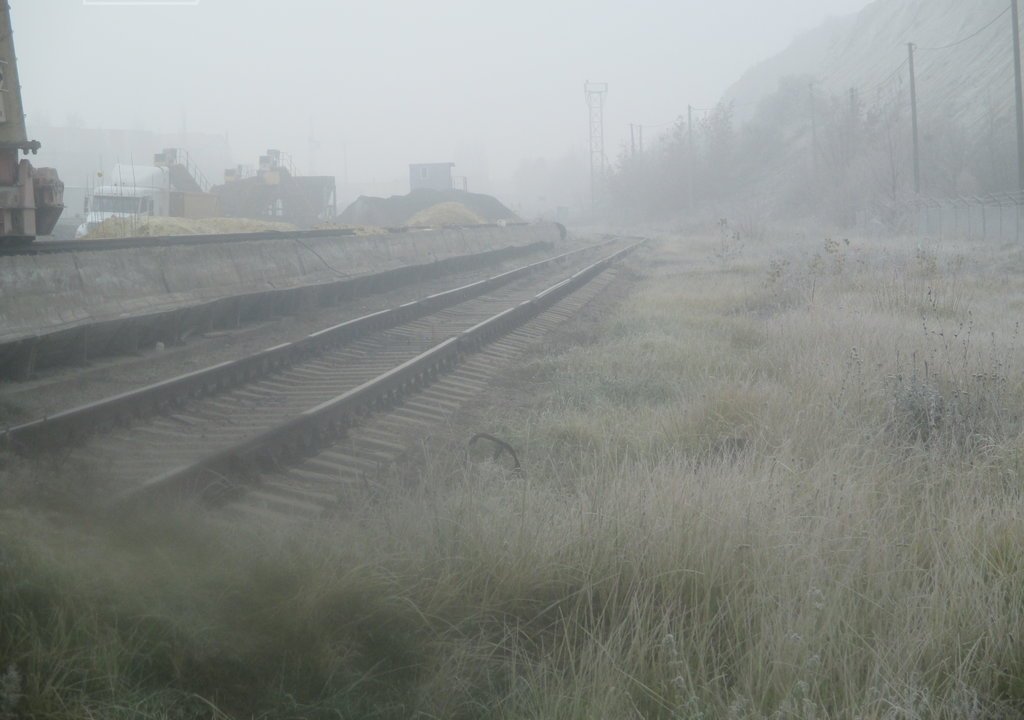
993,152
860,165
946,150
717,161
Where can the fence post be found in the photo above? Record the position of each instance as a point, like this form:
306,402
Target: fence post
1017,231
999,205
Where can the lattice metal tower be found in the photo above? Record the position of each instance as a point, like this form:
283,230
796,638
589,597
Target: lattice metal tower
595,94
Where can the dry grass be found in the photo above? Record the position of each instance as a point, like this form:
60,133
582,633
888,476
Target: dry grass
445,214
781,483
119,227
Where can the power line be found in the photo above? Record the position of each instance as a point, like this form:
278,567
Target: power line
830,76
735,104
655,126
973,35
888,77
897,95
732,104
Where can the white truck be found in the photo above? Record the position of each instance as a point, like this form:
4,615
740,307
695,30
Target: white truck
129,191
172,187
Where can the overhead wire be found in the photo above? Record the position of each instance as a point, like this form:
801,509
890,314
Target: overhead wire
888,78
655,126
973,35
937,103
876,86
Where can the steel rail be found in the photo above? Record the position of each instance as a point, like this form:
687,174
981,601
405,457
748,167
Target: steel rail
322,425
73,425
20,356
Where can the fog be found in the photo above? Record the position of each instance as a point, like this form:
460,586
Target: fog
720,419
360,89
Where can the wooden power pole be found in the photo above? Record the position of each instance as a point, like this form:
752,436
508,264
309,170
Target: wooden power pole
913,120
1020,97
692,159
814,134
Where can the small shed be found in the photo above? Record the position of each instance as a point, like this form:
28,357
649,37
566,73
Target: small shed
432,176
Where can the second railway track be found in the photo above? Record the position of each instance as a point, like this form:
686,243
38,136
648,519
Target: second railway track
304,402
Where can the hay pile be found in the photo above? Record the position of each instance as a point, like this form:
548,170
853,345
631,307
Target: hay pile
444,214
159,226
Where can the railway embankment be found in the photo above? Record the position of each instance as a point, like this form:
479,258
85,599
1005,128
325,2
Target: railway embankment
84,302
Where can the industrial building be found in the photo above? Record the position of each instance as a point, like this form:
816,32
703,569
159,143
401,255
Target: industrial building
431,176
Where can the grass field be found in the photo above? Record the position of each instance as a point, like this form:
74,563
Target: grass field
775,481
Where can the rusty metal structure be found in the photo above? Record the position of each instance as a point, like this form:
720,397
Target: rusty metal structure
276,192
31,199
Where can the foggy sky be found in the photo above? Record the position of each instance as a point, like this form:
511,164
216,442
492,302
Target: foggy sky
482,83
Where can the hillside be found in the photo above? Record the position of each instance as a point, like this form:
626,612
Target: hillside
966,77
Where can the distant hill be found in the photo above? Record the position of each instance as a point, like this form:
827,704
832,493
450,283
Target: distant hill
969,82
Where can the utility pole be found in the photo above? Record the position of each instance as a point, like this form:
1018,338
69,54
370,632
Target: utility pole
595,94
913,119
344,163
854,122
1020,97
693,160
641,136
632,141
814,134
314,145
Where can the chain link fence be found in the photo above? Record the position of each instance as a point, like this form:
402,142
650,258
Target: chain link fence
998,218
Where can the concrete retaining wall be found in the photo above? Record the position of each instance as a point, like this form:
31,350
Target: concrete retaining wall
48,293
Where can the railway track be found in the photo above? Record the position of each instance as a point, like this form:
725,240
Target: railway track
79,343
290,400
315,486
50,392
67,427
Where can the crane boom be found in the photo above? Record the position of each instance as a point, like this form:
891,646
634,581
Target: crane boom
31,199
